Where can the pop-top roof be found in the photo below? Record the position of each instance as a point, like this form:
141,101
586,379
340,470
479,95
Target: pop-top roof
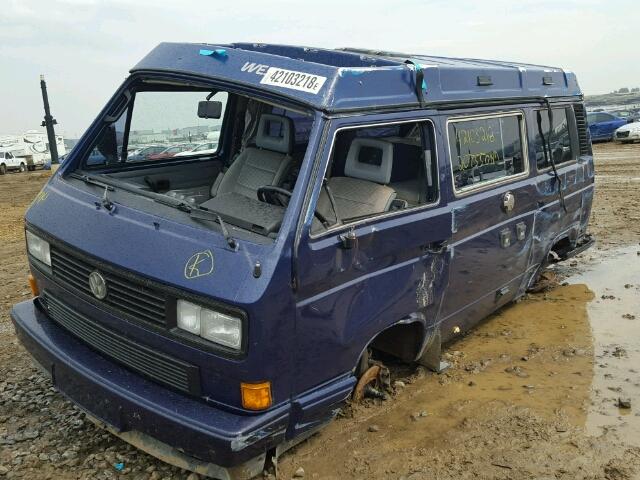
348,79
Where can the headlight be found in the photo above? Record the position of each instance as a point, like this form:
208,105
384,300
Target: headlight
211,325
38,248
221,328
189,317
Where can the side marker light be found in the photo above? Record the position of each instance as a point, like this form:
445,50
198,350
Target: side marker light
256,396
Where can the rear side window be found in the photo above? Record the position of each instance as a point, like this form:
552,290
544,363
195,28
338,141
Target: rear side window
561,140
486,149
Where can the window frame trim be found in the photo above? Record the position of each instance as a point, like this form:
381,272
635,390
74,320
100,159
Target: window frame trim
384,215
524,143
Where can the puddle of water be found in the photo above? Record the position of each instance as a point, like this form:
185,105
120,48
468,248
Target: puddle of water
614,315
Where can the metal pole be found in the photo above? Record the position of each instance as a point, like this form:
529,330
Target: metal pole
49,122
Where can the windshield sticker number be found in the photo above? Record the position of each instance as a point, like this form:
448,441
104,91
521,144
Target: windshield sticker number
305,82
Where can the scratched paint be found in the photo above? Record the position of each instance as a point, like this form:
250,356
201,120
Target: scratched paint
425,289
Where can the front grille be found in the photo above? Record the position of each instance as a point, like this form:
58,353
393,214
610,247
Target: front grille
139,358
583,129
131,298
624,134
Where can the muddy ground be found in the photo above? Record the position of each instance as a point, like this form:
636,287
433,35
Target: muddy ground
533,393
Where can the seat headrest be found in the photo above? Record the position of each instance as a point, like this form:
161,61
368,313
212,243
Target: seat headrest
275,132
369,159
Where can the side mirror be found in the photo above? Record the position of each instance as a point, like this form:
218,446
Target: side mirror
209,109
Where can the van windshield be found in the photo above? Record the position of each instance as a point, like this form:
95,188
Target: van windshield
218,156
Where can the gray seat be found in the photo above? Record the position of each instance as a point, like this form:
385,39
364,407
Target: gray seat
268,163
412,190
363,190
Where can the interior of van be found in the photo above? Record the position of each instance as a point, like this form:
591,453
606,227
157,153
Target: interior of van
162,144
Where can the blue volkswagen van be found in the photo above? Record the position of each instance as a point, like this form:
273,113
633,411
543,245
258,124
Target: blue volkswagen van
213,309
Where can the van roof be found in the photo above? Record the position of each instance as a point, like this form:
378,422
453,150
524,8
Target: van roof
363,79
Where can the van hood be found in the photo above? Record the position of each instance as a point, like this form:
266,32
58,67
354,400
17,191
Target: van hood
195,259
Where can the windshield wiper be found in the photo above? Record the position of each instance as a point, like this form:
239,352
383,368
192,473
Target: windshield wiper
92,181
194,211
106,203
201,213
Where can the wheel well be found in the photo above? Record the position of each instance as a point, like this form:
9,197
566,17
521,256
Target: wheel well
562,244
402,340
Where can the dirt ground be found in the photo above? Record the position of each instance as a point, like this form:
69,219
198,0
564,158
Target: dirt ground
533,393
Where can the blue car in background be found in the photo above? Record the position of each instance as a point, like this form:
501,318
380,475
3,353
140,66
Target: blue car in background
603,124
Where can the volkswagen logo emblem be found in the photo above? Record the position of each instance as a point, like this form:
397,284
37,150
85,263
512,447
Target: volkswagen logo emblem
97,285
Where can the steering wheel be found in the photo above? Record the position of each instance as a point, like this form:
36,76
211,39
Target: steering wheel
274,196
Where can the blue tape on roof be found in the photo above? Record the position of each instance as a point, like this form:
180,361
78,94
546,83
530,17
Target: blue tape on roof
424,82
343,72
220,53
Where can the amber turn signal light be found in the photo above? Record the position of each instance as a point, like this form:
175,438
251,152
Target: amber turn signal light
256,396
34,285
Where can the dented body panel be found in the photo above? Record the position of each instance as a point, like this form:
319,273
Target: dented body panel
312,304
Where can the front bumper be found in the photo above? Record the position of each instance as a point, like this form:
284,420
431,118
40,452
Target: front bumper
171,426
632,136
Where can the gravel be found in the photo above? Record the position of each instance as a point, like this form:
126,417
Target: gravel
42,435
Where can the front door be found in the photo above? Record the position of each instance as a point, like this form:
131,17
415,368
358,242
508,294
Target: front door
385,261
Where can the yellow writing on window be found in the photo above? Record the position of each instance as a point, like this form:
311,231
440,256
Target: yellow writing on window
472,160
476,136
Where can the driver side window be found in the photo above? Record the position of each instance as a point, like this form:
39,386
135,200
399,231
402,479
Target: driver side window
377,170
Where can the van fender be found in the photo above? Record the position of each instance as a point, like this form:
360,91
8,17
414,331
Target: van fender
393,339
411,339
430,354
565,244
570,236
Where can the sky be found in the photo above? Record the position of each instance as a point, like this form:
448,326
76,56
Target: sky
86,47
